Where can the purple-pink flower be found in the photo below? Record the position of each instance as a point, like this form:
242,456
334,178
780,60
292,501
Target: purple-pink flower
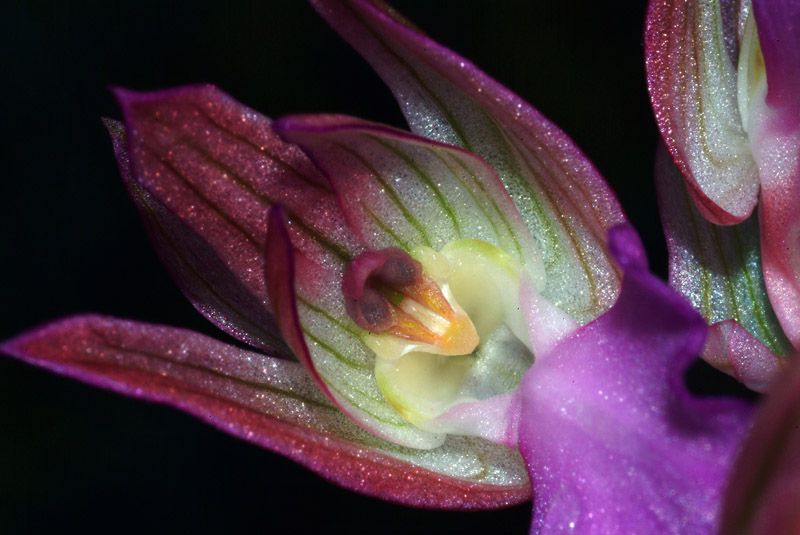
723,79
448,294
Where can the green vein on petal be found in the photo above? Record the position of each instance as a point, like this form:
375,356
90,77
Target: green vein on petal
692,55
717,268
580,276
391,192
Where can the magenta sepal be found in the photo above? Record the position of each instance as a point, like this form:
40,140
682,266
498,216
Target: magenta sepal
203,171
614,442
764,491
270,402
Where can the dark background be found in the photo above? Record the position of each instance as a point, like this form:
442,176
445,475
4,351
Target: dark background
76,458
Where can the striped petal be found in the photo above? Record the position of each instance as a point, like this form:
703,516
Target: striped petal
203,171
402,190
197,268
562,198
272,403
775,138
719,270
763,493
395,189
691,50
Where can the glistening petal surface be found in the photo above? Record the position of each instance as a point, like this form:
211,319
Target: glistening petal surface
614,443
719,270
691,51
402,190
561,197
201,273
211,166
396,190
270,402
775,133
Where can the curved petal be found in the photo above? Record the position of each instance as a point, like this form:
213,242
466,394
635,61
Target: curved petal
401,190
444,97
691,51
732,349
775,137
613,441
395,189
719,270
200,272
763,494
269,402
201,161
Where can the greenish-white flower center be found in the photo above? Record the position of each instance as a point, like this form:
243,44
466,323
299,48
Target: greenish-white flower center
481,284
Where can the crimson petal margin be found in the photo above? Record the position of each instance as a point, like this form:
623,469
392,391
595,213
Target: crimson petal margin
196,158
199,271
691,52
267,401
401,190
719,270
561,196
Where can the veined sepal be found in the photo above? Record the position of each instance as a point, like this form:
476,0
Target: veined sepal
719,270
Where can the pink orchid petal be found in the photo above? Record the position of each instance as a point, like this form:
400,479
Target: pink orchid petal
775,139
444,97
719,270
400,190
691,58
614,442
733,350
204,170
280,279
764,491
200,272
267,401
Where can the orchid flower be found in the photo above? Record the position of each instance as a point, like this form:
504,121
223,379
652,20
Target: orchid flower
723,79
446,294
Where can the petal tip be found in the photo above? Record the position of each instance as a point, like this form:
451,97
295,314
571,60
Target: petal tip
626,247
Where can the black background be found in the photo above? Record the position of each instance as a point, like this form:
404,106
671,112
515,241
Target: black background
74,457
